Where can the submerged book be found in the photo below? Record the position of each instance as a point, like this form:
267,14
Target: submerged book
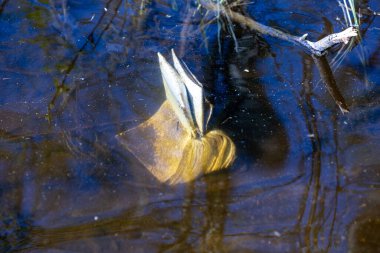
174,144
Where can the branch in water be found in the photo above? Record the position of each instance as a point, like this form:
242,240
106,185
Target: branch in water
328,78
317,48
335,38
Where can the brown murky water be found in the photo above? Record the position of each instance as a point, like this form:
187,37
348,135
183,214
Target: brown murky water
75,73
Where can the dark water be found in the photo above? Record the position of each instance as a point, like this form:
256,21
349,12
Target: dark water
73,74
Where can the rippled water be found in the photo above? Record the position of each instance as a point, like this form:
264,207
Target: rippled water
75,73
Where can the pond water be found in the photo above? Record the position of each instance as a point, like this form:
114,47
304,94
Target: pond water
73,74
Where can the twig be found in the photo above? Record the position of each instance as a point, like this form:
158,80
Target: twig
328,78
317,48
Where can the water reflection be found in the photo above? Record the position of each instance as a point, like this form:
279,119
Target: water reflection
306,176
364,233
248,113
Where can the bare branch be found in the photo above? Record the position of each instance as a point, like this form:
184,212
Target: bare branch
335,38
315,48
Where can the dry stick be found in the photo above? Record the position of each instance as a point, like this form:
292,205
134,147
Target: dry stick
316,48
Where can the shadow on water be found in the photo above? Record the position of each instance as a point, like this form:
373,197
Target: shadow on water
306,177
247,113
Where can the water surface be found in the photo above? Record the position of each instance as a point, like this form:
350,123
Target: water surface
75,73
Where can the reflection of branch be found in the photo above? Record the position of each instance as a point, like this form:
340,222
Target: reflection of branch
184,31
124,224
337,187
182,242
89,39
312,197
316,48
218,190
2,6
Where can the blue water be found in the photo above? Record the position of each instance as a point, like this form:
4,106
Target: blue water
73,74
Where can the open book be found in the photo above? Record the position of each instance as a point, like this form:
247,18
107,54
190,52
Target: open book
174,144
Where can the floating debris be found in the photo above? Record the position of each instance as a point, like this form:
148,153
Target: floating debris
174,144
